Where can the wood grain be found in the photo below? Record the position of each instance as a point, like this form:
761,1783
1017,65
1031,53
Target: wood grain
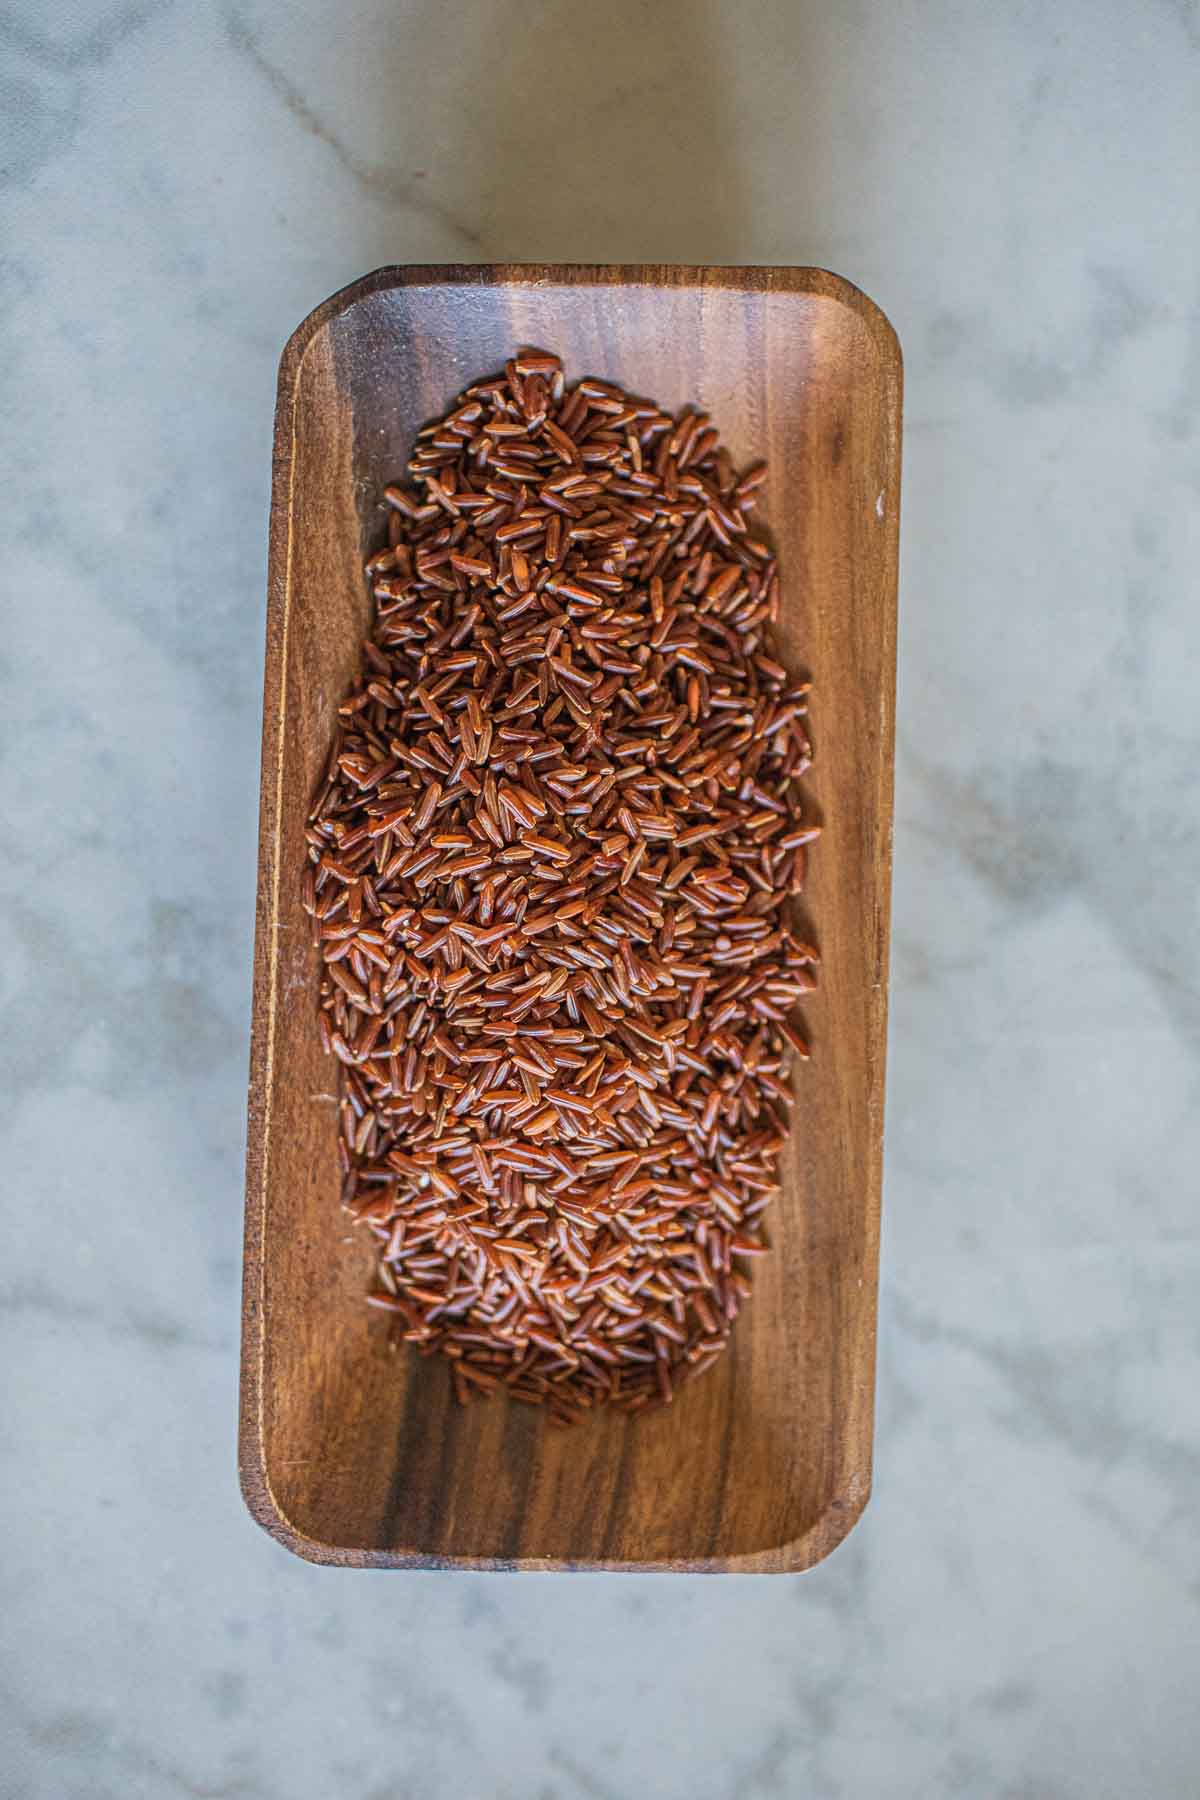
350,1454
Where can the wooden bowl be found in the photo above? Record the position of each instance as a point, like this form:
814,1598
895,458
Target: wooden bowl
350,1453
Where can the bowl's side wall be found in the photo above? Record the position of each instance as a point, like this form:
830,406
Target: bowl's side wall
351,1454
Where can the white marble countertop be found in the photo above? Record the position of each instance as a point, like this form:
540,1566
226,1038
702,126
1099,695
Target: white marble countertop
1019,1612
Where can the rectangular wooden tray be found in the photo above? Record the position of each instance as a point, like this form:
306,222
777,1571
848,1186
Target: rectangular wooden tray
352,1455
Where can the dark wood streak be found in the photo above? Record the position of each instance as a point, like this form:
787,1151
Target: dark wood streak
720,1485
617,1498
522,1436
349,1455
409,1441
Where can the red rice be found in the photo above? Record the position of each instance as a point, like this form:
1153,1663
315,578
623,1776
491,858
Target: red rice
549,872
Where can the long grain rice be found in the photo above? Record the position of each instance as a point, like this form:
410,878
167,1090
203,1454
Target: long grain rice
549,872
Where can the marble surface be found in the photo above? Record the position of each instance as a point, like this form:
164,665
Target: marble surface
1019,1612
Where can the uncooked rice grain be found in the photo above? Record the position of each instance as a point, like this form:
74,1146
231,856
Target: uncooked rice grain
549,873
